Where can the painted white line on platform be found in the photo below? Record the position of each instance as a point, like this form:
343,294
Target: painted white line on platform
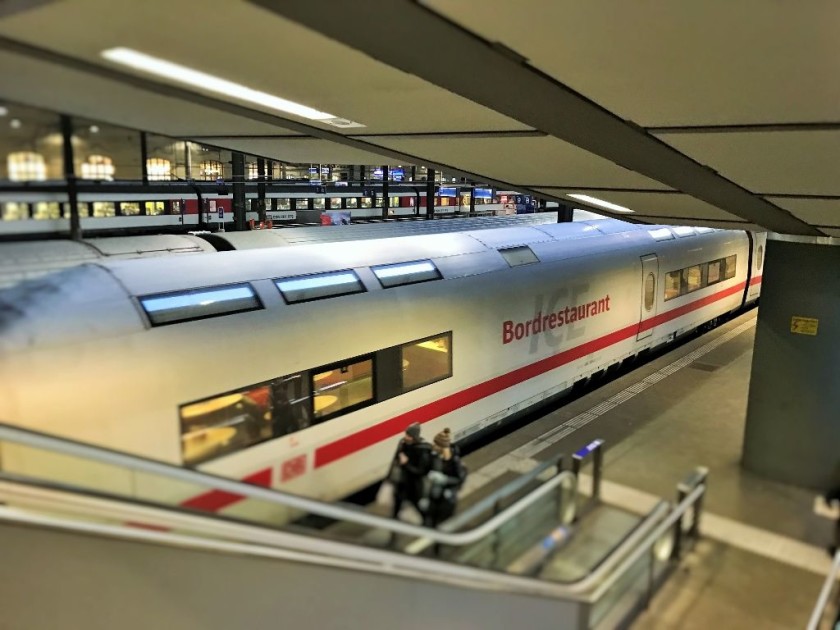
755,540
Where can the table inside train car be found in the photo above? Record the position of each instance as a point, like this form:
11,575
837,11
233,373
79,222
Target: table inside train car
199,444
209,406
323,401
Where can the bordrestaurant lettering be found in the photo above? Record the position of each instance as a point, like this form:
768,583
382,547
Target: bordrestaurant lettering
520,330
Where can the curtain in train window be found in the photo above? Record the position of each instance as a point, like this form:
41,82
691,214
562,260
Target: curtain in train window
224,424
729,266
341,387
426,361
672,284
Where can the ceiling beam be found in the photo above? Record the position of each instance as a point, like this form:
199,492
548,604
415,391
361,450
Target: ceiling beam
197,98
457,60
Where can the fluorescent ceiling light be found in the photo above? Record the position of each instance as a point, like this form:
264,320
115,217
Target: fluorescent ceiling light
600,202
202,80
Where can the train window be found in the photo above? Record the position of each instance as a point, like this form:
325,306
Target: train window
14,211
394,202
379,201
46,210
759,257
693,278
406,273
366,202
662,234
342,388
319,203
335,202
84,209
319,286
426,361
516,256
704,230
650,291
129,208
291,410
104,209
729,267
352,202
714,272
672,284
284,204
154,208
180,306
301,204
217,426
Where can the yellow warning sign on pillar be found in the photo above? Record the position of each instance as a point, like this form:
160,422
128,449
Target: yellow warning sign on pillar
804,325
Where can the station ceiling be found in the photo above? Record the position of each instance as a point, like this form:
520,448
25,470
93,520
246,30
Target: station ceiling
722,113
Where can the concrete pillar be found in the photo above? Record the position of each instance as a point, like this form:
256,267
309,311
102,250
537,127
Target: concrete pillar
793,413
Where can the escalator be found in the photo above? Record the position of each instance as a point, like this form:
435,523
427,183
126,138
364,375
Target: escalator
94,538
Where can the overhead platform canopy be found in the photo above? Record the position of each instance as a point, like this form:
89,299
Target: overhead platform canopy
684,114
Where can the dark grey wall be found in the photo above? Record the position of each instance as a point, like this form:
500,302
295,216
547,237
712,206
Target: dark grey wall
55,579
793,412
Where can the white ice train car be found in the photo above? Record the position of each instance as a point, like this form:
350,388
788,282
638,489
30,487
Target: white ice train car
298,368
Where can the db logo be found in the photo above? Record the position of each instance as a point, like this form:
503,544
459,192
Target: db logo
292,468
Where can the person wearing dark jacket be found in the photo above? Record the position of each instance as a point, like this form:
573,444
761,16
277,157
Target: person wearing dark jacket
409,468
445,478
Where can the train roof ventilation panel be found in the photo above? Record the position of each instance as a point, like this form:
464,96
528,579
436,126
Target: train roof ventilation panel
516,256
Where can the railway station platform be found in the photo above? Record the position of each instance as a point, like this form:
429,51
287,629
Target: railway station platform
762,557
533,542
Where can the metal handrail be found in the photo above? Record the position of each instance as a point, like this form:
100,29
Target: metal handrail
645,546
278,544
502,493
321,508
822,600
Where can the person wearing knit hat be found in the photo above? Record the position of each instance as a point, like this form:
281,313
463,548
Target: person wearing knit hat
443,439
413,431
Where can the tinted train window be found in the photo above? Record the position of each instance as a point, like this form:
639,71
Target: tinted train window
730,267
672,284
714,271
693,278
426,361
217,426
179,306
319,286
406,273
342,388
683,281
759,257
650,291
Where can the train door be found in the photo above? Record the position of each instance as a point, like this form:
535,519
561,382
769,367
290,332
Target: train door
650,276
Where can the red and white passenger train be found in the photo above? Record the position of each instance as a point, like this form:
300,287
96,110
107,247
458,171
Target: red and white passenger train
298,368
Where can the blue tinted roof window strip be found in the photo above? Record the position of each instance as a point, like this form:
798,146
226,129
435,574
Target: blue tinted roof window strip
317,282
404,269
181,306
298,289
166,302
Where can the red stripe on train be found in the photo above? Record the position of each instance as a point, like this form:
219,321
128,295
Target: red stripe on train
394,426
215,500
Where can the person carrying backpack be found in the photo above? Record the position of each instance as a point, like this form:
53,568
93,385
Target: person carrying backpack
446,476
